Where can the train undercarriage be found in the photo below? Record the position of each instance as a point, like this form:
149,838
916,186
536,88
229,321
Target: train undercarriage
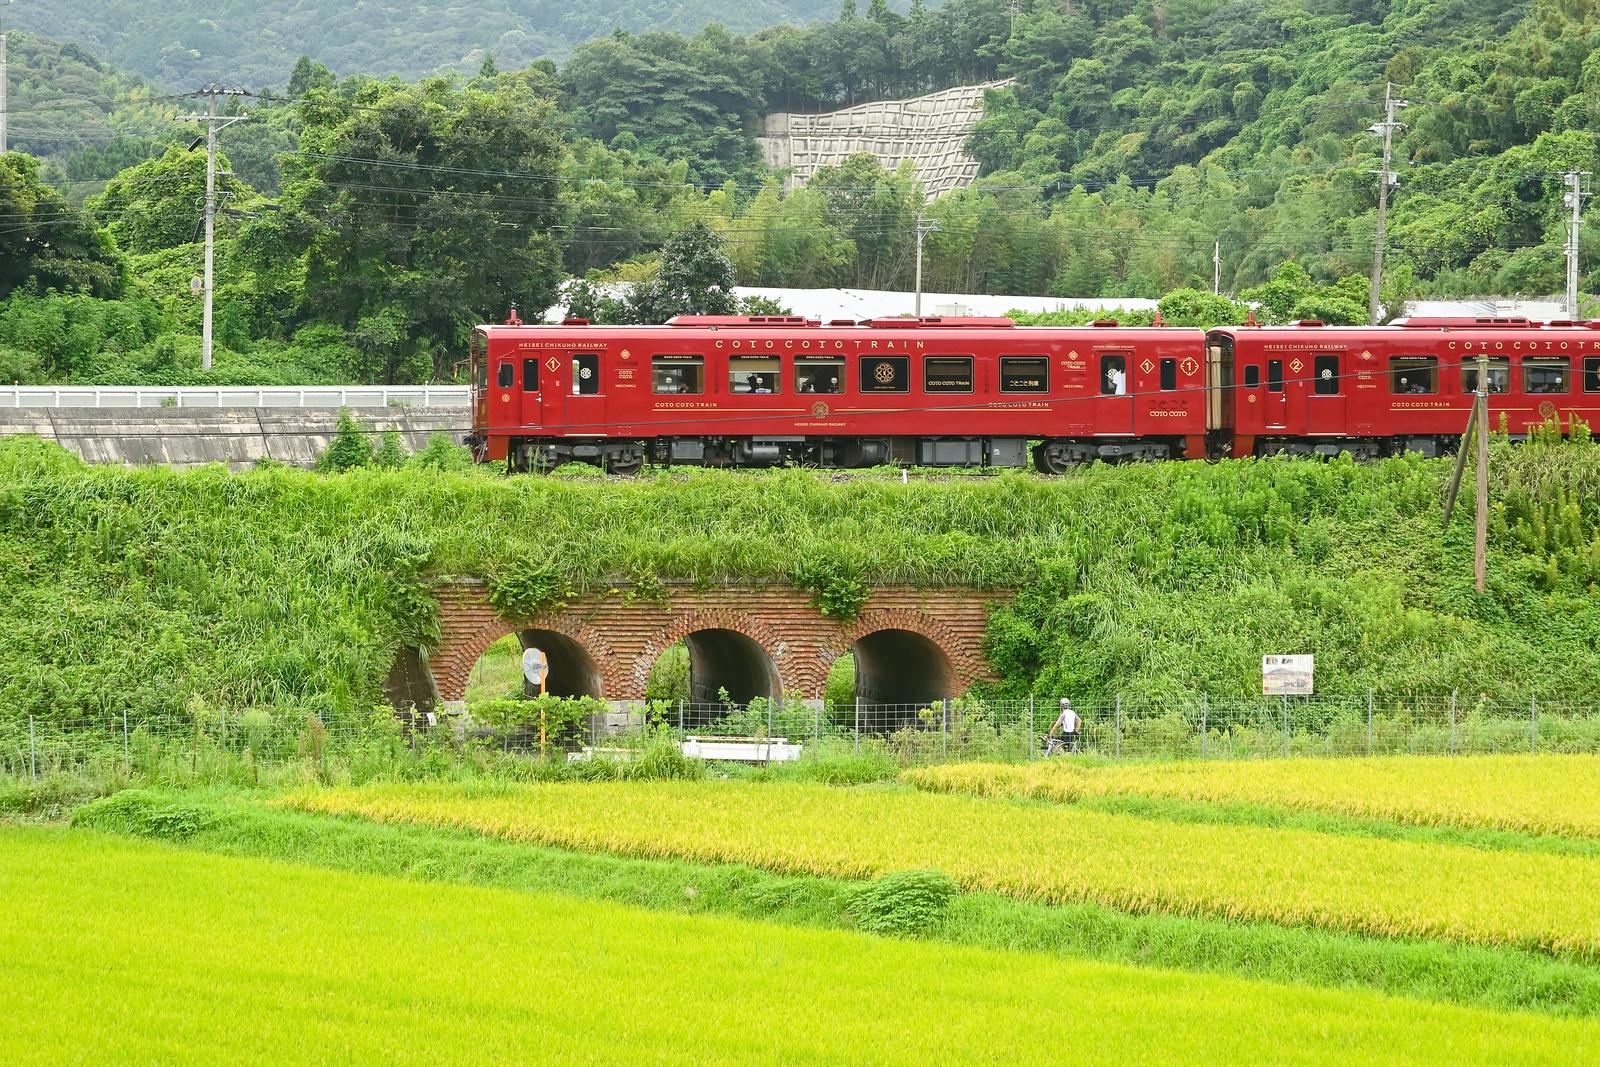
628,456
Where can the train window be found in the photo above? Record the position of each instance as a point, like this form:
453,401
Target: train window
1326,371
1252,376
885,374
1024,374
752,374
1499,374
1274,375
1546,375
947,374
586,373
1113,375
1413,374
506,376
1169,375
819,375
1591,375
677,374
530,376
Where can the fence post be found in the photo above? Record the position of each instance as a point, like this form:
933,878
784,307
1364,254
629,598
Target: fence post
1369,722
1285,699
33,754
1533,724
1452,722
1205,729
769,720
944,730
858,725
1033,735
127,762
1119,726
680,716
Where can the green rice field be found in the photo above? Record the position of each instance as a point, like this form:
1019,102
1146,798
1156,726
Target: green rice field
115,951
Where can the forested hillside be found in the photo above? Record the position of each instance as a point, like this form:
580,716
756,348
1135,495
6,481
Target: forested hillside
257,43
1134,140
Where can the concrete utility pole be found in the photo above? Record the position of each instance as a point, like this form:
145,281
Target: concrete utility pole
925,226
215,124
4,77
1577,190
1216,268
1386,179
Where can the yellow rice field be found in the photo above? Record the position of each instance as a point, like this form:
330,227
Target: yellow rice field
1554,794
1389,888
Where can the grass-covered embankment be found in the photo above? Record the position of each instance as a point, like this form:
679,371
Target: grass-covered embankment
229,824
472,975
178,593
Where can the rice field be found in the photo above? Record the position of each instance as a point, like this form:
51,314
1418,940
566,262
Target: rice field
266,963
1399,888
1549,794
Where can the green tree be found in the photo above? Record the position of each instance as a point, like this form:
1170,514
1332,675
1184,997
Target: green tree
695,278
46,241
417,211
160,203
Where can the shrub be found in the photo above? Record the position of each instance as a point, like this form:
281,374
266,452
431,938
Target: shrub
904,903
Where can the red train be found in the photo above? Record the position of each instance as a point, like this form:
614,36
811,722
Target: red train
767,390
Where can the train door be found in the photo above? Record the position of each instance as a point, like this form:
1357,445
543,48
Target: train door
1114,405
532,402
1275,401
1325,395
584,397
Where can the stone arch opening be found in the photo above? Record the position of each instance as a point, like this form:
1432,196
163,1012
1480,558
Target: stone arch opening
895,666
722,660
573,671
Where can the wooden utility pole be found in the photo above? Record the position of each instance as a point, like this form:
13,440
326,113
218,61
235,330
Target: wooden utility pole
1477,430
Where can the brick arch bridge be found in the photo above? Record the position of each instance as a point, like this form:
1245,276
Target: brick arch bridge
766,640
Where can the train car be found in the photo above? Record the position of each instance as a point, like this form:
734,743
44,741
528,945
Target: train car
1407,387
766,390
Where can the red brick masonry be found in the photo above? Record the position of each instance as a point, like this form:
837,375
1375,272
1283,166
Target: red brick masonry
626,637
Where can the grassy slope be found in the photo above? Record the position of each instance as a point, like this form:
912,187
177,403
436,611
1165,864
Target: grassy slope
1401,888
289,589
1496,978
268,963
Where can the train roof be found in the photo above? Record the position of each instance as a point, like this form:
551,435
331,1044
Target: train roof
712,323
1425,322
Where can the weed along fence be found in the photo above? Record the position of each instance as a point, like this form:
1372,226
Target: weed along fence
240,746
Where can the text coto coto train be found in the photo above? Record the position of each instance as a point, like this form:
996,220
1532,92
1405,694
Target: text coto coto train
763,390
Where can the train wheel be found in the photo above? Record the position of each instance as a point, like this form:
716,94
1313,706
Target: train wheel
1048,460
624,462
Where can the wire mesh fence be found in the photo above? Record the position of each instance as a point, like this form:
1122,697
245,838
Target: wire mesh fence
241,746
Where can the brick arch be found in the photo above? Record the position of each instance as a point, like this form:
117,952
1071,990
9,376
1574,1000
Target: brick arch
966,660
451,672
682,624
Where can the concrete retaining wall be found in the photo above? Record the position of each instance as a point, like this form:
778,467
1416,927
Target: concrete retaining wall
238,437
930,131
